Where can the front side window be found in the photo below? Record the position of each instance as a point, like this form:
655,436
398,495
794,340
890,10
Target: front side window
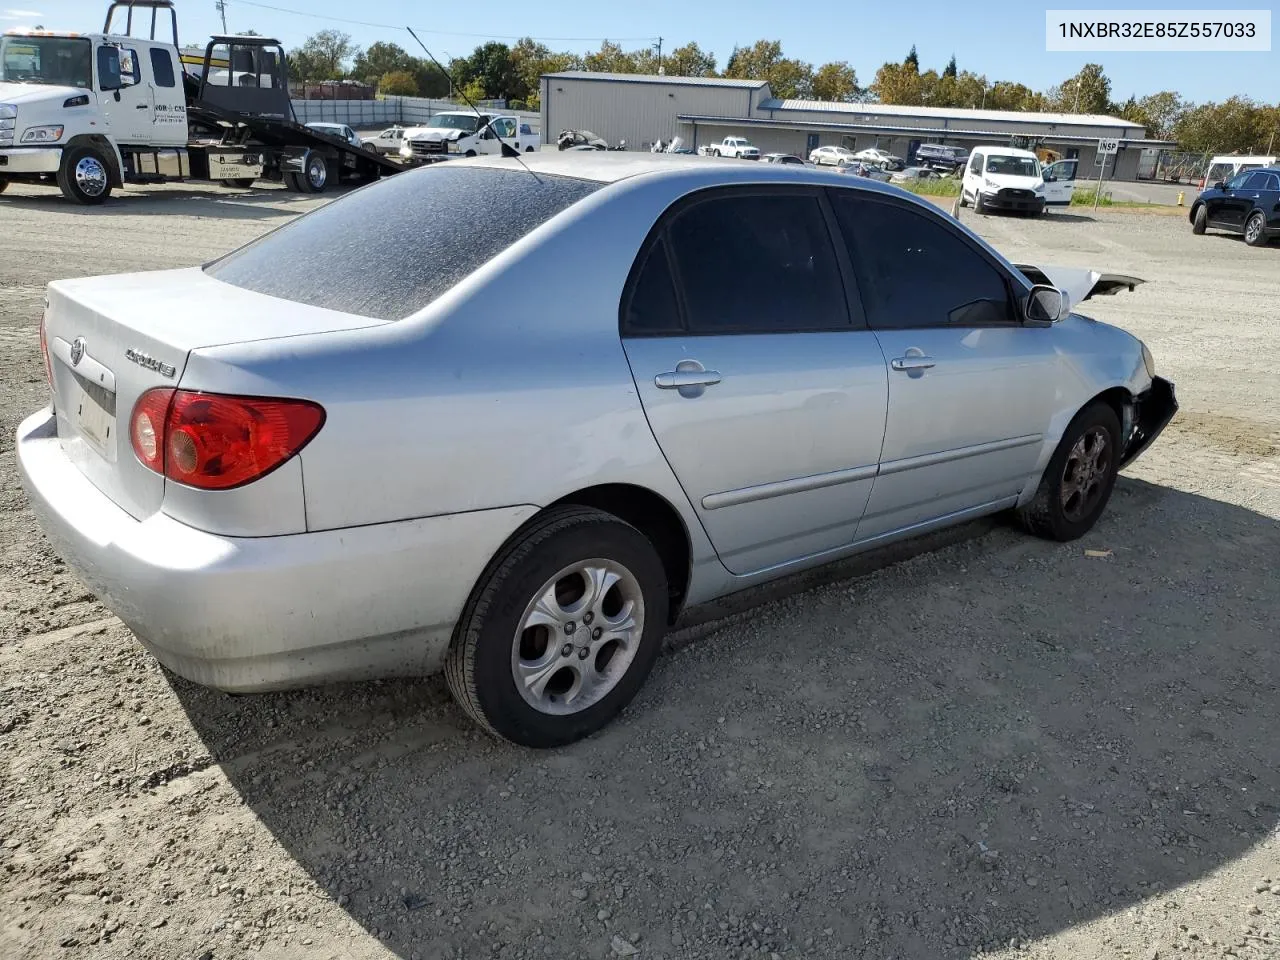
130,70
757,263
392,248
916,272
975,165
1238,181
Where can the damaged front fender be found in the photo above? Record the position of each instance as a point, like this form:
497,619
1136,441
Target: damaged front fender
1146,417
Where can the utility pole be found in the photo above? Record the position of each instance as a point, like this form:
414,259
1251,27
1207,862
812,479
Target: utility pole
222,9
659,46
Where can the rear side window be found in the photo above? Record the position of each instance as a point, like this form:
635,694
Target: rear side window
162,67
757,264
390,249
915,272
652,307
1261,181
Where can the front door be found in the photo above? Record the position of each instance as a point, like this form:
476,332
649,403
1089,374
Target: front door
912,148
1060,182
810,144
767,399
970,396
127,111
1230,208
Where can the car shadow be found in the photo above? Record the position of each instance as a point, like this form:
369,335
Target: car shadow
975,746
252,203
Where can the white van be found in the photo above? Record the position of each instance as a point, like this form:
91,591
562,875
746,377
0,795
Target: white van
1003,178
1224,168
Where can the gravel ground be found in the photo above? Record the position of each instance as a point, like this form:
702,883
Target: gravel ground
999,747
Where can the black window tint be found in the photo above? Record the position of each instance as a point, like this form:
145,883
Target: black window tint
652,306
162,67
1259,181
915,272
390,249
757,264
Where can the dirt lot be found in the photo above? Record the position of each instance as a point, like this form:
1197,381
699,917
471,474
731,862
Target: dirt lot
1001,747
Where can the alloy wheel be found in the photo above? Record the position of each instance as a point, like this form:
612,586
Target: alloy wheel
578,636
1084,476
91,176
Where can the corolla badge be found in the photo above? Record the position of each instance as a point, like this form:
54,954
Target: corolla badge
150,362
77,351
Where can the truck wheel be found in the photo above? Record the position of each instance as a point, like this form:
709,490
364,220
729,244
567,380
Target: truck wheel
528,149
715,153
290,181
470,153
83,176
4,185
314,177
244,183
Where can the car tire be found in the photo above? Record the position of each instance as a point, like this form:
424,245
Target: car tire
4,185
470,153
978,205
1255,230
84,176
964,202
508,629
244,183
1079,479
1200,220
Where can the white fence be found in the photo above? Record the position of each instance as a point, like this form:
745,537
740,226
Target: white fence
377,113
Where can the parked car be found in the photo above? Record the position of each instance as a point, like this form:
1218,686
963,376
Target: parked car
941,157
339,460
1003,178
859,169
882,158
738,147
340,130
782,158
388,141
1248,204
913,173
830,156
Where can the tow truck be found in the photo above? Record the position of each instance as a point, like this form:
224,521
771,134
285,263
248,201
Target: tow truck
92,112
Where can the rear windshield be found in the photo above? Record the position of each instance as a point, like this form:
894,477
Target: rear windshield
390,249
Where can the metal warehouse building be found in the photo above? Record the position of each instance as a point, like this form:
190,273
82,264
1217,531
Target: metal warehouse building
642,109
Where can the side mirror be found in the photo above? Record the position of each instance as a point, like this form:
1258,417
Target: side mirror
1051,179
109,68
1045,305
1219,185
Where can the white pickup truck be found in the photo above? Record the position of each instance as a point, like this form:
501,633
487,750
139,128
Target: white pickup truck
466,134
739,147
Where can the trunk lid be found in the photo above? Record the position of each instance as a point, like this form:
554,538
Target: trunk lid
112,338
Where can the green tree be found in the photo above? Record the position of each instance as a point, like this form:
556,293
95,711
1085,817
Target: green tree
610,58
836,81
382,58
763,60
491,64
1089,91
1236,125
689,61
322,57
398,83
913,60
899,84
531,60
1006,95
950,70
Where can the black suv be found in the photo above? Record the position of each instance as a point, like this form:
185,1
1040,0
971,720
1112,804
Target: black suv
1248,203
940,157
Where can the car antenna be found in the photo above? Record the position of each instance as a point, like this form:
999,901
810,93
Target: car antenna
457,86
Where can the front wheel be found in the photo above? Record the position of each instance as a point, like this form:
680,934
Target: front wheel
1200,220
1255,230
4,185
1078,482
978,205
562,629
83,177
244,183
964,201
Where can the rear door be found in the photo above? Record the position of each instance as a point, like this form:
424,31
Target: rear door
971,390
168,100
1262,189
759,379
1060,182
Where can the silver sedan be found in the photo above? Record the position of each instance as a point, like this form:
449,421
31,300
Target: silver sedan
508,418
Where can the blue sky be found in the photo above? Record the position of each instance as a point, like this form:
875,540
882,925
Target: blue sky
1004,40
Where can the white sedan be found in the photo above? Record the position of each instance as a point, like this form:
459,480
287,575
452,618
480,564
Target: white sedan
831,156
877,156
387,142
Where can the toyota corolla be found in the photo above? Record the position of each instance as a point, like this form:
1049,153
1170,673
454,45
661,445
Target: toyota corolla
509,418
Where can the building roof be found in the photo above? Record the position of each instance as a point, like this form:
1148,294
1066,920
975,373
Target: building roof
989,116
657,78
931,134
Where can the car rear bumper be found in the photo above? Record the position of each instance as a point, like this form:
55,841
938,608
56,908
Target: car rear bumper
1152,412
19,161
247,614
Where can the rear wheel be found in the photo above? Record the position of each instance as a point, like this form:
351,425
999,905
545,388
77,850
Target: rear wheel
4,185
244,183
83,176
1255,230
1078,482
1200,220
314,177
562,629
290,181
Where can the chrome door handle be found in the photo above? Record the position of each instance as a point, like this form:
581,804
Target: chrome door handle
675,379
911,363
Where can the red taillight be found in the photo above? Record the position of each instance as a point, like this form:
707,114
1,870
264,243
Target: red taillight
44,352
216,442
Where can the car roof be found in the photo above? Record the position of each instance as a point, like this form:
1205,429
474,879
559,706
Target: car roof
1006,152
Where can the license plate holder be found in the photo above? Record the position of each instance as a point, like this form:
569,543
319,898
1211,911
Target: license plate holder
94,416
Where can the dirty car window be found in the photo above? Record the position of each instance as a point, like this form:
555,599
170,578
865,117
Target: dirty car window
390,249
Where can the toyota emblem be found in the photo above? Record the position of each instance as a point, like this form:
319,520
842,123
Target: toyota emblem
77,351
